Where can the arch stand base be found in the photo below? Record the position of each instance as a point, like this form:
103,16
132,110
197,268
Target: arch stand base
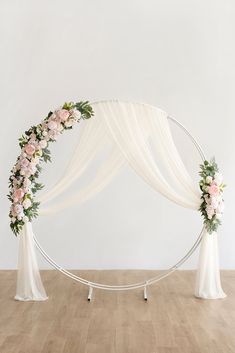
143,284
145,293
90,292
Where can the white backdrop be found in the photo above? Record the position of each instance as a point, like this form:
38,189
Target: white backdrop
177,55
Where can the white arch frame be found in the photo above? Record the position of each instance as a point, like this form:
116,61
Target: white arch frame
142,284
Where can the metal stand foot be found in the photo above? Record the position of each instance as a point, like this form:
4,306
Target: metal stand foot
90,294
145,293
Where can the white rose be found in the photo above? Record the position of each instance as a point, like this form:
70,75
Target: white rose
18,209
35,161
60,127
32,169
210,212
43,144
44,133
27,203
214,202
53,134
75,113
13,219
27,182
209,179
69,123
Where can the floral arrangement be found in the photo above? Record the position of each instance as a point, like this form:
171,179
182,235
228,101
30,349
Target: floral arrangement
34,150
34,144
212,187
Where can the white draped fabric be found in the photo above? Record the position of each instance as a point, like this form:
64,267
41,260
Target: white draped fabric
208,284
140,137
29,284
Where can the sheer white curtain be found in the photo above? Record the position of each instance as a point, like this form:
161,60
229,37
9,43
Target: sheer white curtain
136,131
92,140
105,173
29,284
127,125
208,285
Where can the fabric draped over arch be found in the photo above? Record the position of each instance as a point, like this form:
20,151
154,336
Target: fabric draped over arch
137,133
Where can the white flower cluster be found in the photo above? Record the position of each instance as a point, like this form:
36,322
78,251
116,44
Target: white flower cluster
212,187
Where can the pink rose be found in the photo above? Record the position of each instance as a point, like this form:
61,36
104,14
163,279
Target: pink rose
63,114
52,125
18,194
29,149
213,190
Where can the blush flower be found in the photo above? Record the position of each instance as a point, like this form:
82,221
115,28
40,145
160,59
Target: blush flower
18,194
18,209
34,150
52,125
213,190
63,114
24,162
30,149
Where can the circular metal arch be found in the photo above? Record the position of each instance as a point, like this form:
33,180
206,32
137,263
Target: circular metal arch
142,284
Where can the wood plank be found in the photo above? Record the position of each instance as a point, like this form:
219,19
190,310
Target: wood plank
171,321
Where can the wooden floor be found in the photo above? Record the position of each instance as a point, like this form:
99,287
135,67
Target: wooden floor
172,321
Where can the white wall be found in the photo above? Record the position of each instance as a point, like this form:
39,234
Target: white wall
178,55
